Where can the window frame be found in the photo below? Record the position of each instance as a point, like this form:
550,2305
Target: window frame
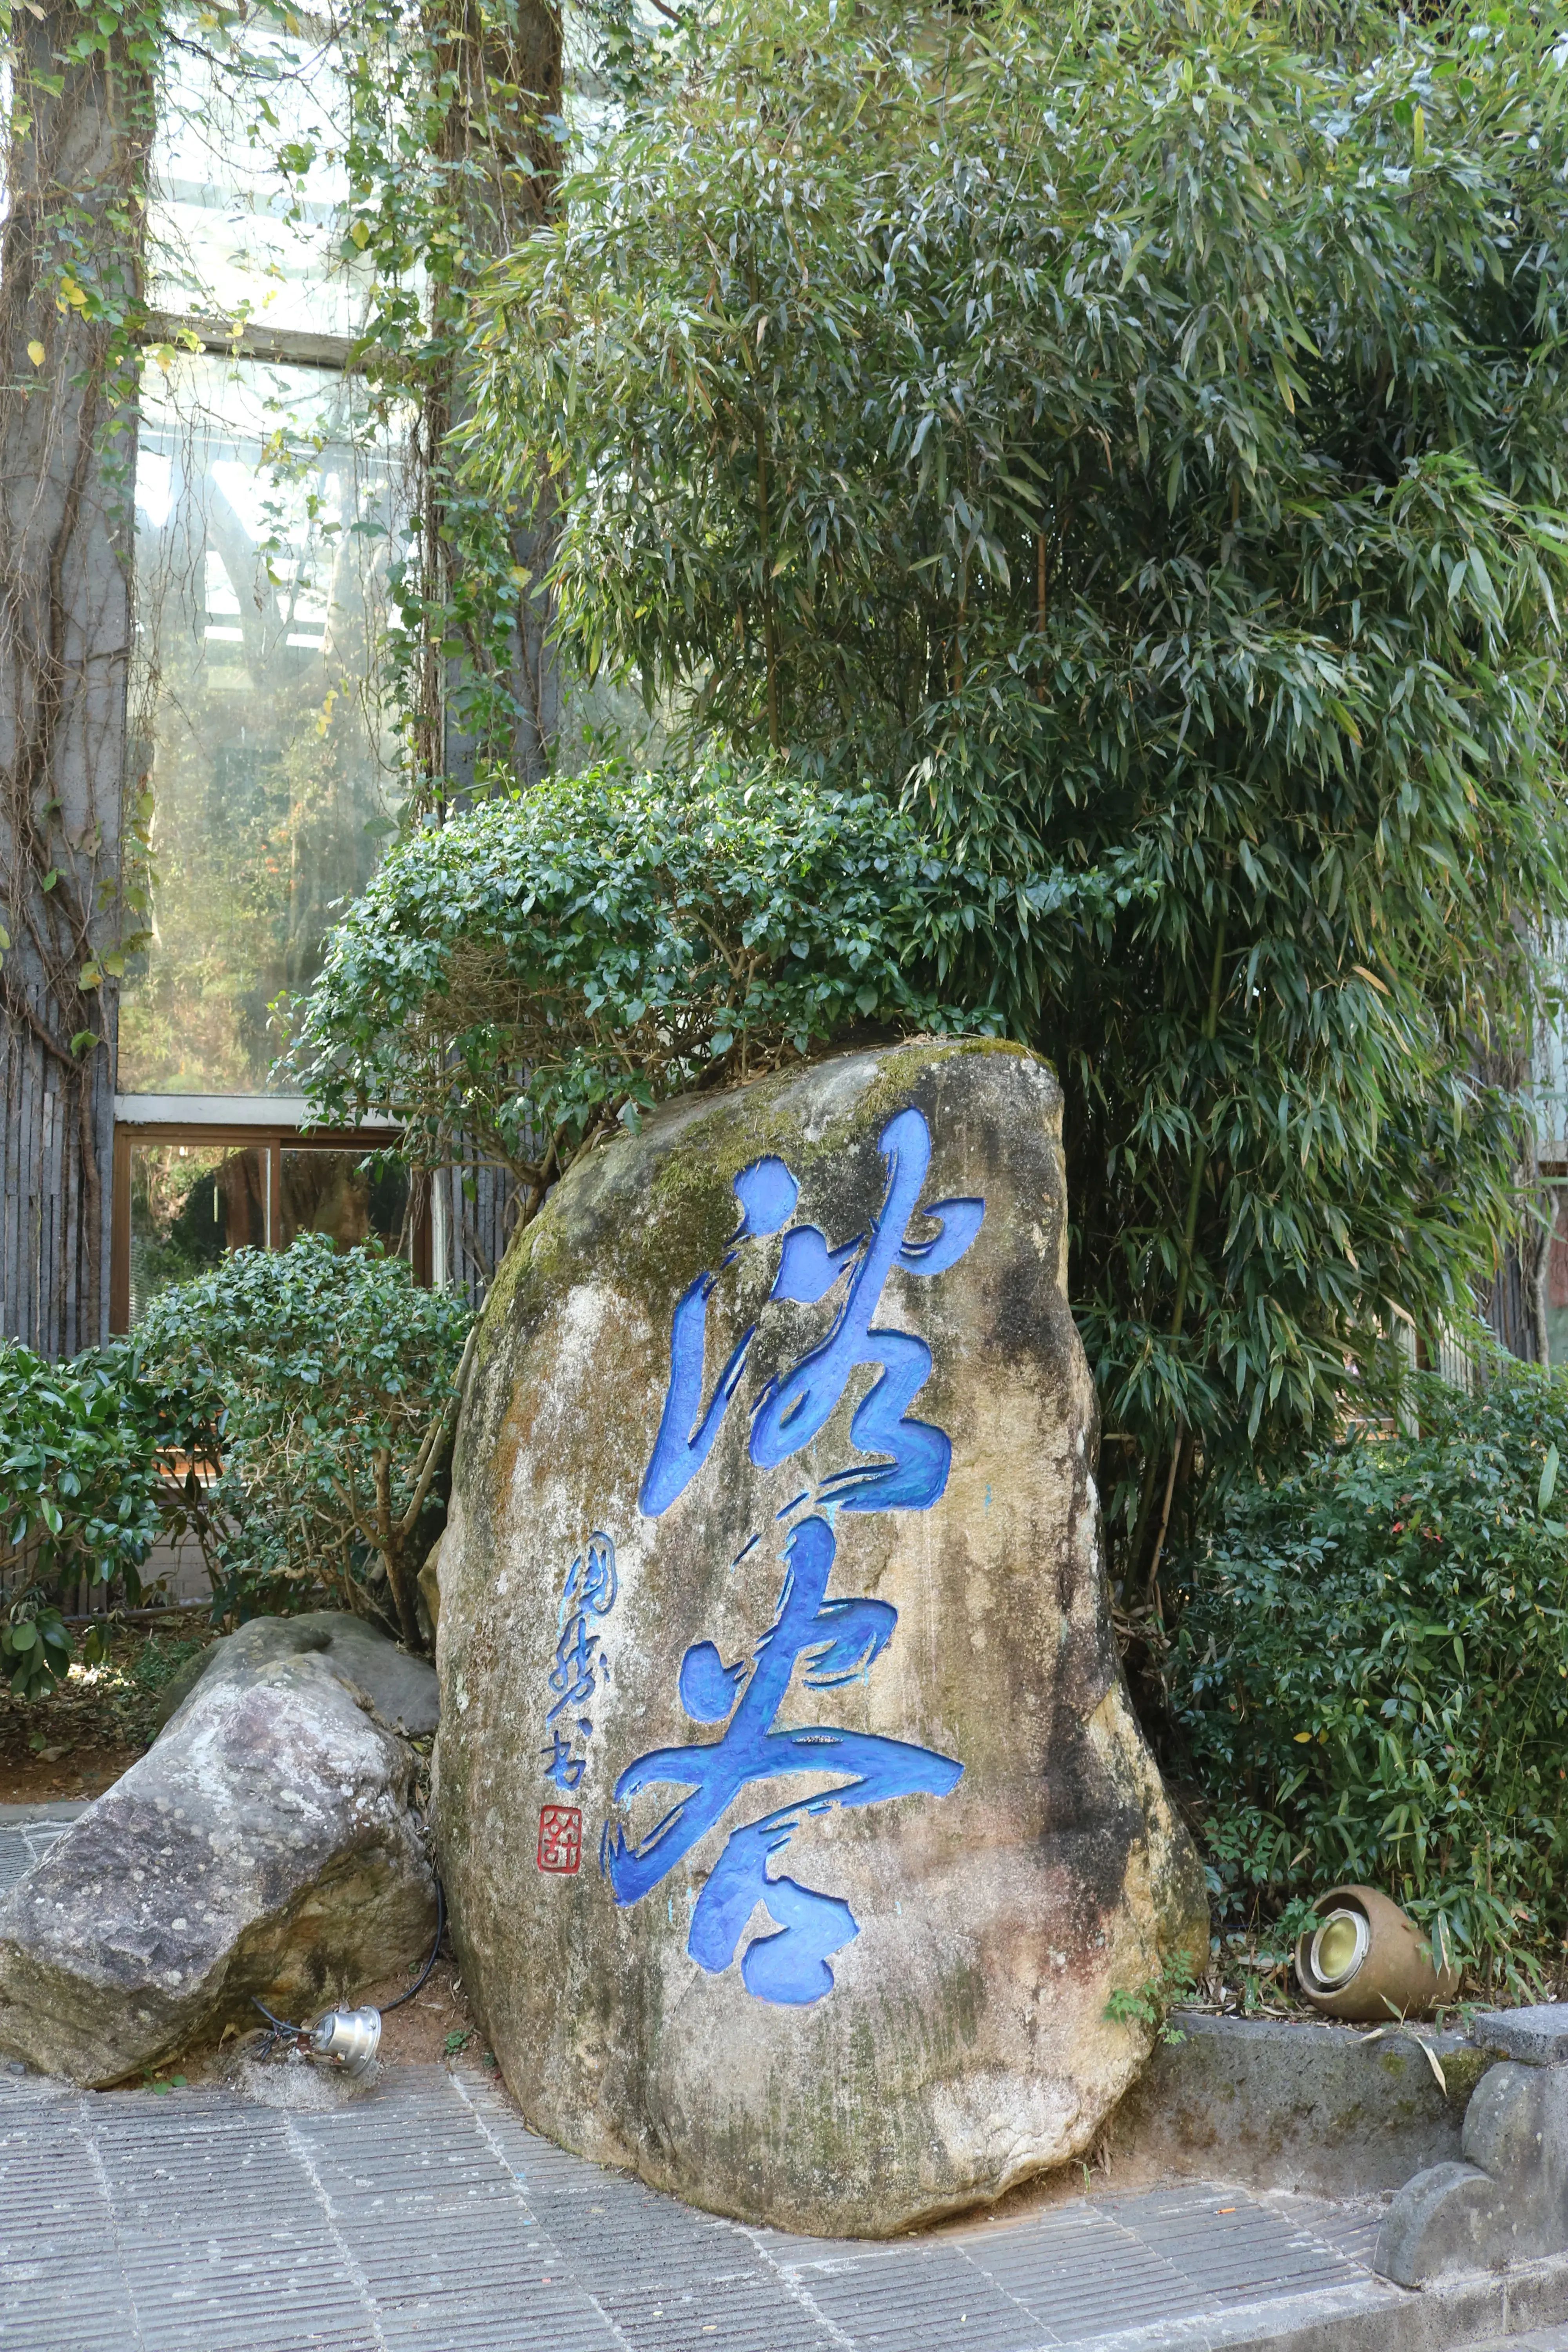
254,1122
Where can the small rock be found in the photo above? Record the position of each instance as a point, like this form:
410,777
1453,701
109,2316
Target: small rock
227,1862
402,1689
1538,2035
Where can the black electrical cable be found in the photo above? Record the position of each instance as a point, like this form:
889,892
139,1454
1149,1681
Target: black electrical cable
434,1948
275,2023
278,2025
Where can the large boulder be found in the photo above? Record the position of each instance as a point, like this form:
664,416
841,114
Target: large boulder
264,1845
794,1818
401,1689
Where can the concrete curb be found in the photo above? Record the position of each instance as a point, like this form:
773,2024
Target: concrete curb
1374,2318
1284,2104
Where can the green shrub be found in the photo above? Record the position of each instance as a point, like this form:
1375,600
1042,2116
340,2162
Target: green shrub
1371,1674
292,1411
544,965
90,1454
336,1379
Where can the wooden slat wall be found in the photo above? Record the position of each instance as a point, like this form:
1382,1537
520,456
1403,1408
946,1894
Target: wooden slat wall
1506,1307
54,1215
476,1230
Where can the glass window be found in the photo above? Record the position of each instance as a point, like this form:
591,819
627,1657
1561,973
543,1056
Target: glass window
334,1193
189,1205
265,527
228,235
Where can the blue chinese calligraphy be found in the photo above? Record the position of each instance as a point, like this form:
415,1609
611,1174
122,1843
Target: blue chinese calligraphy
589,1591
792,1410
838,1640
904,1464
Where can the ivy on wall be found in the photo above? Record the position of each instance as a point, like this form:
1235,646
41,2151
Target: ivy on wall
78,137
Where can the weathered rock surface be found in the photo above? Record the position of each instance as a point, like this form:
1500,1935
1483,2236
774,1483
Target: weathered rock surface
402,1689
264,1845
794,1821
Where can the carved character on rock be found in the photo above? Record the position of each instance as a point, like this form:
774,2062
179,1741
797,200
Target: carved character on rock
796,1825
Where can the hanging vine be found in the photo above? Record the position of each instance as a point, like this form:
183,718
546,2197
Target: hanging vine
453,157
78,137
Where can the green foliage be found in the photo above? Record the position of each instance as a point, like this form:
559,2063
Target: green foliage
1136,439
88,1452
546,964
1371,1674
77,1466
337,1378
292,1409
453,111
1149,2004
115,1702
154,1665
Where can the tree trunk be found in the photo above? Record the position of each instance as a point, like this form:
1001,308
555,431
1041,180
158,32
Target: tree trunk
69,292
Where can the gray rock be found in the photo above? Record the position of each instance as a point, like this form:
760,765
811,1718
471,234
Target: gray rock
1536,2036
1506,2202
183,1680
402,1689
1442,2223
264,1845
794,1820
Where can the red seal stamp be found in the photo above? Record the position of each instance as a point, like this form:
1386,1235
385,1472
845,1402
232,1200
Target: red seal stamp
560,1837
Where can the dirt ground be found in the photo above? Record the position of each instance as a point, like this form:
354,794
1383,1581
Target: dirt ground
436,2024
100,1719
436,2028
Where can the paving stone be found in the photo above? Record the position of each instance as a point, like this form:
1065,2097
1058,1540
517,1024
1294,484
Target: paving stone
925,2299
23,1840
1539,2339
61,2283
222,2240
444,2240
424,2217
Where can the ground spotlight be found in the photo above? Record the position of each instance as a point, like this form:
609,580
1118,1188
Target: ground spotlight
347,2038
1367,1961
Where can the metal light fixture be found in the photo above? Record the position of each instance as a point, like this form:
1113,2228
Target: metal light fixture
1367,1961
1338,1947
347,2039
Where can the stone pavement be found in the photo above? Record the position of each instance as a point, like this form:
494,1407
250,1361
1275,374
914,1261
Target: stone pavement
423,2217
25,1832
420,2215
1539,2339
